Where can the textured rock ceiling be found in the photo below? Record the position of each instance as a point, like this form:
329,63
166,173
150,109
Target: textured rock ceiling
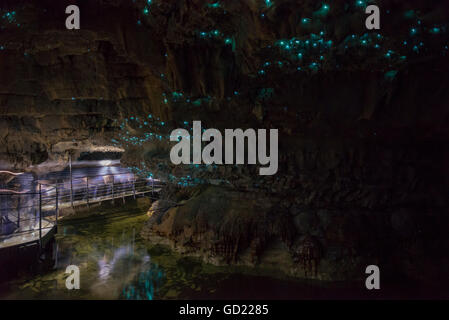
292,64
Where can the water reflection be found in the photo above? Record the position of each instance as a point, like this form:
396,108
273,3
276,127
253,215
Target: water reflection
113,266
145,285
115,263
129,274
107,266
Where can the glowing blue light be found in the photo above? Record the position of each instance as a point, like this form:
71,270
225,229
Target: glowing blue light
390,75
409,14
214,5
314,66
435,30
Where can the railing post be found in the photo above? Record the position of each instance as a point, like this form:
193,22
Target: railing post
71,181
57,202
4,204
152,188
134,188
40,215
18,212
113,196
1,213
87,190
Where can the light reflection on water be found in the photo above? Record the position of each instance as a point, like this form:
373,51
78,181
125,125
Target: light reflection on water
114,262
117,267
145,285
148,279
106,267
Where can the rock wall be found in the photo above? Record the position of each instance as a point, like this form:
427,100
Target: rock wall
362,115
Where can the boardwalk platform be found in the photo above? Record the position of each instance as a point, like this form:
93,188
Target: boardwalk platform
30,219
27,237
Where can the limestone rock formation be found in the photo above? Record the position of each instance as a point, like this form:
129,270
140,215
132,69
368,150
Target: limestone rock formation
362,118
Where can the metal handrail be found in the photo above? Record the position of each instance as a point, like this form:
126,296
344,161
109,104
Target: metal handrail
57,195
